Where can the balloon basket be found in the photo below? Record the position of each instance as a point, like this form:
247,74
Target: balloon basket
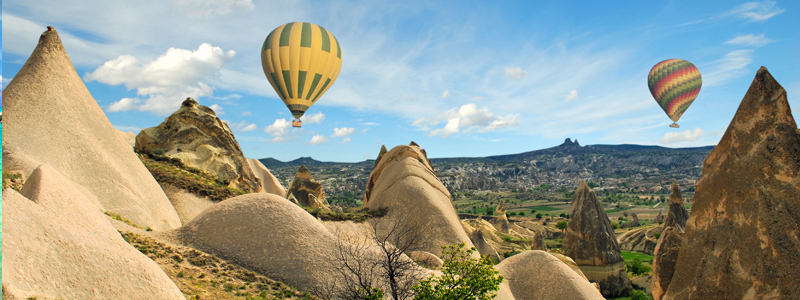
296,123
674,125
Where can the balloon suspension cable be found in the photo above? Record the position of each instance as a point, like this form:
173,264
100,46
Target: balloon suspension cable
674,125
296,123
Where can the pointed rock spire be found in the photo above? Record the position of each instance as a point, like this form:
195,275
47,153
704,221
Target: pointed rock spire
741,239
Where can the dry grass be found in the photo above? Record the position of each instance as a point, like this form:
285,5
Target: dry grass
12,180
203,276
174,172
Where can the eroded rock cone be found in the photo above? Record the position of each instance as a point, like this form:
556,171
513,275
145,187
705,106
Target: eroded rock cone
591,243
483,247
634,220
659,218
195,135
741,240
51,118
501,221
677,214
537,242
306,191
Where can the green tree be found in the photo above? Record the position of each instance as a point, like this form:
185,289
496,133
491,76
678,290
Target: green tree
639,295
463,277
592,184
625,213
561,225
539,215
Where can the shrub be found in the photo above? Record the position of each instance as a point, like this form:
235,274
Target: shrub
615,225
657,235
463,277
539,215
561,225
159,152
636,267
522,213
639,295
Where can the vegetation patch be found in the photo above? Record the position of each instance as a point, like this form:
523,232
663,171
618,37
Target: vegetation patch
173,171
121,219
203,276
547,208
629,256
12,180
348,214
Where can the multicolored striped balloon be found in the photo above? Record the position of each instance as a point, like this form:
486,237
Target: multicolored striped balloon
674,83
301,61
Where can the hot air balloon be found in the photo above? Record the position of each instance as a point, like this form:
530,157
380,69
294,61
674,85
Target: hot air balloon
301,61
674,83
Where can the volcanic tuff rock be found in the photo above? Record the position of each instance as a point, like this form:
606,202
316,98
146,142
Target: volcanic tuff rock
306,191
501,221
659,218
742,239
200,140
677,214
664,259
51,118
483,246
640,239
404,183
591,242
269,184
58,244
539,275
537,242
634,220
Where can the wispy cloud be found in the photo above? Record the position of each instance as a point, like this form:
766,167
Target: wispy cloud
344,131
209,9
247,113
571,96
311,119
515,73
369,124
445,94
684,136
318,140
468,117
732,65
756,11
166,81
749,40
244,127
279,131
476,98
217,109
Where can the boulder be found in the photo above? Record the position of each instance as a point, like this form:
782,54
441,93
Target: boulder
195,135
537,242
741,240
404,183
640,239
642,283
539,275
591,243
483,247
677,214
53,119
269,184
306,191
58,244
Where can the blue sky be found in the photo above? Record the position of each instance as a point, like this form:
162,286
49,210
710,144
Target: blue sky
460,78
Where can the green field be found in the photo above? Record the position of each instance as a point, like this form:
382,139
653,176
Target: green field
546,208
629,256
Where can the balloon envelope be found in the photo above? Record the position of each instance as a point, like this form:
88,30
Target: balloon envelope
674,83
301,61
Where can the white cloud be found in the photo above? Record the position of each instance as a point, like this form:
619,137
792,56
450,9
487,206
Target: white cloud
756,11
345,140
244,127
469,117
749,40
247,113
344,131
167,81
571,96
207,9
476,98
685,136
515,73
732,65
279,130
311,119
318,140
445,94
369,124
217,109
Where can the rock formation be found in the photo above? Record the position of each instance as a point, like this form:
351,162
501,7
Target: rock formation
591,242
483,246
640,239
741,240
269,184
426,259
196,136
306,191
659,218
404,183
537,242
539,275
664,260
501,221
51,118
677,214
634,220
58,245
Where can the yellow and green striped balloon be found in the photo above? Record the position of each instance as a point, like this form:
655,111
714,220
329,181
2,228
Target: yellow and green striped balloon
301,61
674,83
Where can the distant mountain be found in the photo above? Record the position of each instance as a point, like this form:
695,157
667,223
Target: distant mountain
272,163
